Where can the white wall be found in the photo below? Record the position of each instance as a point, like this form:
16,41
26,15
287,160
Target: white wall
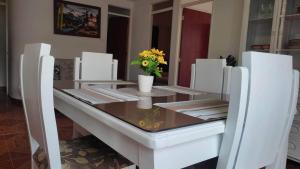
225,35
31,21
175,42
226,28
141,32
128,4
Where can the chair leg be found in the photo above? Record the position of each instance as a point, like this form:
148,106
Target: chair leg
33,165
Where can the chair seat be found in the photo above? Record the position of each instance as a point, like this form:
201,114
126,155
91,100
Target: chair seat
84,153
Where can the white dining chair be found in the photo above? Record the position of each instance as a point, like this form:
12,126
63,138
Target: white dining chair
236,112
36,78
256,125
211,75
95,66
226,80
281,158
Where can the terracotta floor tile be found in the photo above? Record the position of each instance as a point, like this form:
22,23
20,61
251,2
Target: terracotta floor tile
13,113
65,126
11,126
6,126
6,165
18,145
4,107
65,133
4,152
21,163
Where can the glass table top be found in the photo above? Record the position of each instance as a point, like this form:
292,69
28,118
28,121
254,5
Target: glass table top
164,108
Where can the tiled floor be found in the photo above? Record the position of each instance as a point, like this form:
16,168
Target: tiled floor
14,145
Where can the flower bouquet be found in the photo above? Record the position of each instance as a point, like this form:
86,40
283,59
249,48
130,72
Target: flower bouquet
150,61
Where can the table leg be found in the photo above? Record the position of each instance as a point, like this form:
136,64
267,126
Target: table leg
149,159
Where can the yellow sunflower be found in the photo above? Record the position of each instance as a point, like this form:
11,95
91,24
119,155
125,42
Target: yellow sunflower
156,125
145,53
157,52
145,63
142,123
161,60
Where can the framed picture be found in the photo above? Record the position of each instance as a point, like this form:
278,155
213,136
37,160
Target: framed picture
76,19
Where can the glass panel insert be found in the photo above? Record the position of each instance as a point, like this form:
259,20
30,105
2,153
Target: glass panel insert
289,31
260,25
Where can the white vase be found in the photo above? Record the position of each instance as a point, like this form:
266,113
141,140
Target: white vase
145,83
144,103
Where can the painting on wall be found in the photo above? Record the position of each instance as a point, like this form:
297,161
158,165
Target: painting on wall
76,19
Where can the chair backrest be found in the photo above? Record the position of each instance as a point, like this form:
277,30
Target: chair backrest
95,66
235,118
37,69
267,113
226,80
208,75
270,91
280,161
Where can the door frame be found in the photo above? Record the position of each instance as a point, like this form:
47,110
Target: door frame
126,5
5,4
176,36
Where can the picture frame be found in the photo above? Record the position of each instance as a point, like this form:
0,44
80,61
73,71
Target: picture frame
77,19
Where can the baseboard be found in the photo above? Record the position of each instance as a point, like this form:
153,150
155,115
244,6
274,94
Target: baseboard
16,101
15,97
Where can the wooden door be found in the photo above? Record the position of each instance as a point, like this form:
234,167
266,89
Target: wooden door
117,42
194,42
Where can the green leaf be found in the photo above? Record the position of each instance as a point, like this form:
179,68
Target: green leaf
135,62
151,69
157,73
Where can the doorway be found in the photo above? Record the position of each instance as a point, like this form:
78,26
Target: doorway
3,46
195,31
161,34
117,37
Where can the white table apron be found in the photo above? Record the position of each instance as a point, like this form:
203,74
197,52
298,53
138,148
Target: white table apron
170,149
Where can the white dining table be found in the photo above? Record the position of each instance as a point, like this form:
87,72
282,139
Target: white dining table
172,148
